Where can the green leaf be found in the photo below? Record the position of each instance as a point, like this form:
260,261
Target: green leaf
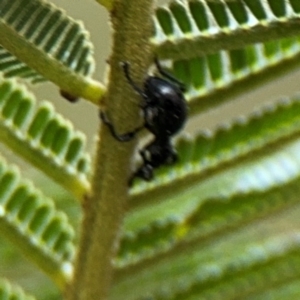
45,138
185,29
215,78
212,79
238,268
12,67
221,203
201,219
215,206
48,41
261,132
213,209
31,222
11,291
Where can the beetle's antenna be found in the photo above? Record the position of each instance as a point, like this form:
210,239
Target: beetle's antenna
169,76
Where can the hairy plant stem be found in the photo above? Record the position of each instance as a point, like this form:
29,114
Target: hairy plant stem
104,209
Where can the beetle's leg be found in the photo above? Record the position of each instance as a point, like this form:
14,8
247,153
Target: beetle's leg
143,153
125,66
144,172
125,137
169,76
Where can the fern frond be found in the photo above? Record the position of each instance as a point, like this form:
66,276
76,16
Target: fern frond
44,137
216,78
212,79
177,225
189,28
204,211
264,130
287,291
206,219
10,66
31,222
48,41
12,291
238,269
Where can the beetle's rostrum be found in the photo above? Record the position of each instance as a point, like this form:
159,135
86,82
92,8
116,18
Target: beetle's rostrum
165,111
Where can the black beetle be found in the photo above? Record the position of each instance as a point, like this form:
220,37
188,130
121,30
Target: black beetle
165,112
